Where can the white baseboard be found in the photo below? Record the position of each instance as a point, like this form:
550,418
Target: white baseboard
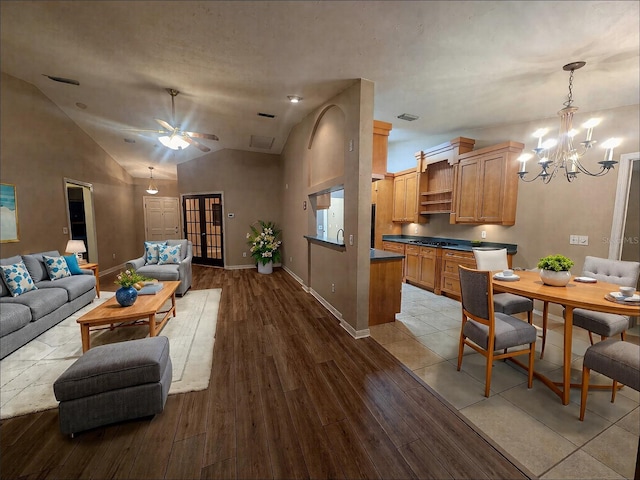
246,267
296,278
117,268
350,330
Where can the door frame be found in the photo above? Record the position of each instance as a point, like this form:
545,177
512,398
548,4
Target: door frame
224,218
616,238
90,219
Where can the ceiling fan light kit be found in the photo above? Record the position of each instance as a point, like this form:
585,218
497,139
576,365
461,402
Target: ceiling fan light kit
560,155
173,142
152,189
294,98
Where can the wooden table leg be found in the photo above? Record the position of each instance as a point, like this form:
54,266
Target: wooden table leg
173,303
86,340
566,366
152,325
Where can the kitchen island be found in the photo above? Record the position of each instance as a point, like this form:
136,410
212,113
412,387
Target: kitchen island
385,286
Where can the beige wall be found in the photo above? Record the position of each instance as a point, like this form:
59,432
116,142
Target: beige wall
40,146
251,186
319,266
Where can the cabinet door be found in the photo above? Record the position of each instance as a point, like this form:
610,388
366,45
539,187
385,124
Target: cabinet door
427,269
491,189
467,191
412,263
411,198
399,196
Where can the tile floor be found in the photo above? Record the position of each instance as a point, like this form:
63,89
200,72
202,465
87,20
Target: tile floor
531,425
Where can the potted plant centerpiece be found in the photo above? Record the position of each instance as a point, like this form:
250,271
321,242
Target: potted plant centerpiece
265,245
130,282
554,270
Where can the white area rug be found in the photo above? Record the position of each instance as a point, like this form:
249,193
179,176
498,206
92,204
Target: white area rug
28,374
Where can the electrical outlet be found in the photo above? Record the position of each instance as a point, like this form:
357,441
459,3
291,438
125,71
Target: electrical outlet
114,256
65,231
583,239
333,288
291,259
483,234
350,239
244,254
574,239
415,229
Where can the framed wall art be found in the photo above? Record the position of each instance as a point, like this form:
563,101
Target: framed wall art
8,214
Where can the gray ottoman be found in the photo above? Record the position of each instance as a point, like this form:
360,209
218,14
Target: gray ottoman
112,383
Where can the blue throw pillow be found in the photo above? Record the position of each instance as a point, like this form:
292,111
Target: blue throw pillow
72,264
17,278
169,254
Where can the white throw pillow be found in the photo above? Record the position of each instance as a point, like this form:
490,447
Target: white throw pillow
169,254
151,252
56,267
17,278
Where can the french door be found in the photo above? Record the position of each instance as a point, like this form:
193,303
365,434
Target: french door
203,227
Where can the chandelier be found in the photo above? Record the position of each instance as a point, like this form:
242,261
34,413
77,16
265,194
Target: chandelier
560,156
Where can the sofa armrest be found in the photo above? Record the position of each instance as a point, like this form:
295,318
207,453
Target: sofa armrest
135,264
86,271
184,269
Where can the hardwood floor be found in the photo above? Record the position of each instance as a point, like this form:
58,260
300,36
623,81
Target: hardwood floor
291,395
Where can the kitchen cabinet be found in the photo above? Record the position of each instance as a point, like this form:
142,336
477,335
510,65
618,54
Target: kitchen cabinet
486,187
323,201
428,268
411,263
380,146
396,248
405,197
385,290
450,280
382,198
437,172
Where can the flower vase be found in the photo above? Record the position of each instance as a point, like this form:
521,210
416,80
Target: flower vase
555,279
126,296
266,269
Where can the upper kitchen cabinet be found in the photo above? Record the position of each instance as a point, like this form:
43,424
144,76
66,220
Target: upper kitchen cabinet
380,146
405,197
437,173
486,185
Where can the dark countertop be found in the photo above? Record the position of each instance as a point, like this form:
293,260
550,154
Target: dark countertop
324,240
379,255
461,245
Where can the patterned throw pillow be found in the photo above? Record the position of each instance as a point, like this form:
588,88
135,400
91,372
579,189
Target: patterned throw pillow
151,252
56,267
169,254
17,278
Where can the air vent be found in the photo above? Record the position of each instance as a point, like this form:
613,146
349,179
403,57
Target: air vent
129,140
70,81
408,117
258,141
267,115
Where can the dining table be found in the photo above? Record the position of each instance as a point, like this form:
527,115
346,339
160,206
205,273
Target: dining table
576,294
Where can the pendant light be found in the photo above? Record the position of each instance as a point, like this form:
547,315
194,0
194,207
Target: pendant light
152,189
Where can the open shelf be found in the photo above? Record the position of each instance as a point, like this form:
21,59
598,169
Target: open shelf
437,192
436,202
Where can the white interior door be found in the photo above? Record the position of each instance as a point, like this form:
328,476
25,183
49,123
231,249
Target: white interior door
162,218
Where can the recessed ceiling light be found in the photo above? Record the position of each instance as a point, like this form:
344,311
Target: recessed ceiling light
81,106
408,117
294,98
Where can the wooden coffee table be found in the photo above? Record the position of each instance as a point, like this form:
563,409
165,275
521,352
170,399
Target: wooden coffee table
143,312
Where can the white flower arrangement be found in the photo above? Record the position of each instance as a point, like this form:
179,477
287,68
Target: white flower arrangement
264,243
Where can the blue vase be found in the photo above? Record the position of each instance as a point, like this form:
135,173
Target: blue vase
126,296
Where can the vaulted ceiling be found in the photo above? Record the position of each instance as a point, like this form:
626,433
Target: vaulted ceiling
454,64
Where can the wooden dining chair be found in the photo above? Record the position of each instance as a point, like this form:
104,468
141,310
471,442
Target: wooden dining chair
488,331
621,273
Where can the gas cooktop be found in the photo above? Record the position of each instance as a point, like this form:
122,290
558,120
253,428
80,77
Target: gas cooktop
431,243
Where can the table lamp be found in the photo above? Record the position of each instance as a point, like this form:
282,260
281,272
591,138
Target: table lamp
77,247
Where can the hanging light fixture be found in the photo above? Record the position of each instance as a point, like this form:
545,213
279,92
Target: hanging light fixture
152,189
174,142
560,155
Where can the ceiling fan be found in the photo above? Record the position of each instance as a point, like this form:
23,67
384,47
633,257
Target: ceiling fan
175,138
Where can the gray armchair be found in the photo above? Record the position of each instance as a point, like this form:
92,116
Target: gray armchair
169,271
612,271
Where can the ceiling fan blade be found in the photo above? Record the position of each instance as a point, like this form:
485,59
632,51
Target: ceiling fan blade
208,136
143,130
165,125
190,140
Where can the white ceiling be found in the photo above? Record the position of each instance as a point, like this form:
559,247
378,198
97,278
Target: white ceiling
454,64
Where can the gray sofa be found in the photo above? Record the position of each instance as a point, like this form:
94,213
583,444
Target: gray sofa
26,316
171,271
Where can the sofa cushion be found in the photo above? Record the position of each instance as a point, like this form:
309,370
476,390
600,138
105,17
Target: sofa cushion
17,278
14,316
40,302
168,254
151,252
72,265
56,267
160,272
113,367
183,247
35,264
4,291
74,285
